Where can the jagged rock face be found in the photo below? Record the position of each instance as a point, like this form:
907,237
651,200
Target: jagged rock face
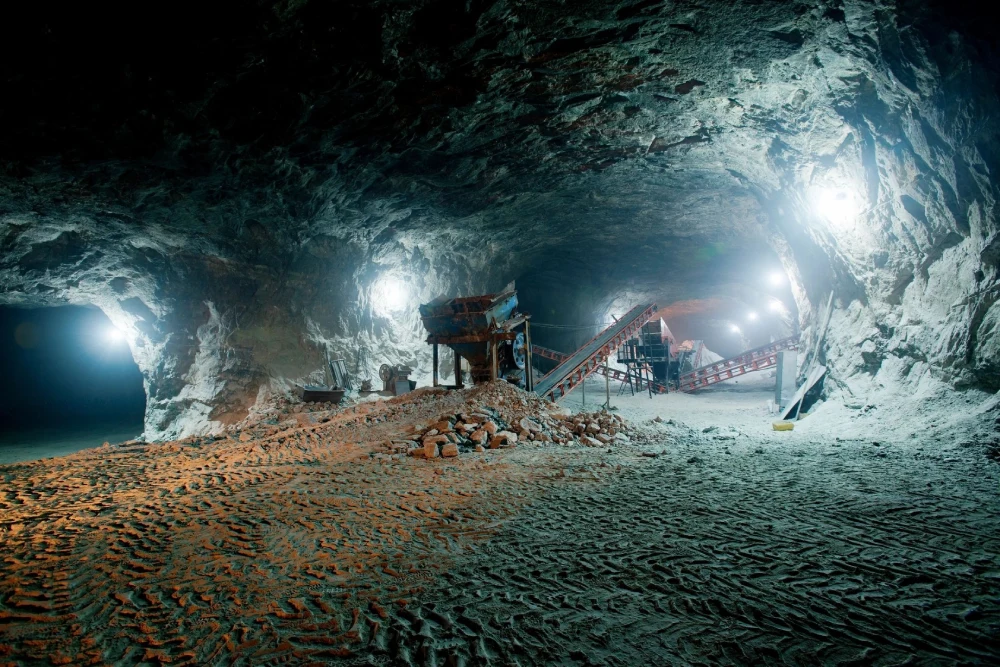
248,189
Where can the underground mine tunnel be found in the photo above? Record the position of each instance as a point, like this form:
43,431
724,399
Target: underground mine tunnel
497,332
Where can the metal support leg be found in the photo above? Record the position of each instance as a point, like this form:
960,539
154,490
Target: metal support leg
435,348
458,371
607,381
529,383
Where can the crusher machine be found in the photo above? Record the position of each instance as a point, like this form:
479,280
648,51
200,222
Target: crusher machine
487,331
650,356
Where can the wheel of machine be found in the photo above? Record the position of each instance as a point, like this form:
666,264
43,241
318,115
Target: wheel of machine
519,351
386,374
513,359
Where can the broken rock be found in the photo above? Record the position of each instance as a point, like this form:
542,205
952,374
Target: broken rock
530,425
449,450
503,439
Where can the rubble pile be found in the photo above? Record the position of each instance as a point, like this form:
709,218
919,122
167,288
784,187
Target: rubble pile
499,415
432,423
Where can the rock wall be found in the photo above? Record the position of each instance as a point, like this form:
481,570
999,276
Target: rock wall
237,215
909,258
211,331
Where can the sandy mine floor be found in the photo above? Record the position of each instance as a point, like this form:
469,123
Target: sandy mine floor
295,545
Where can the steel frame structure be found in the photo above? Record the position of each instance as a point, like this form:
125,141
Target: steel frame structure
752,360
575,368
612,373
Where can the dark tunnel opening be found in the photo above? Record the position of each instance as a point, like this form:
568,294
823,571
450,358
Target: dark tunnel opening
69,382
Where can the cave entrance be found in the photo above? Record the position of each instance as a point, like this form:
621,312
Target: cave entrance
69,382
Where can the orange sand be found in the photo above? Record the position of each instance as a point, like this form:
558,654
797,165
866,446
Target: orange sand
287,544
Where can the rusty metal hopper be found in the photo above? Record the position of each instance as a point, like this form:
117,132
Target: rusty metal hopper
464,324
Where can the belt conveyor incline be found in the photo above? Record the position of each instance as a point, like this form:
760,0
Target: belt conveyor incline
613,373
588,358
748,362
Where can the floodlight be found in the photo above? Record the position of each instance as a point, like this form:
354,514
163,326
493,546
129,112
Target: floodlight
390,295
837,205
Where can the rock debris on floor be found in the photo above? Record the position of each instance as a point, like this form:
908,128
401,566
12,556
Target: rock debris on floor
308,536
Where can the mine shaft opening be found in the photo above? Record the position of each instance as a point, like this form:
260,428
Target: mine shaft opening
69,382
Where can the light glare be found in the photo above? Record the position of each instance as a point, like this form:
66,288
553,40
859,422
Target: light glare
776,306
752,316
777,279
390,295
735,329
114,335
836,205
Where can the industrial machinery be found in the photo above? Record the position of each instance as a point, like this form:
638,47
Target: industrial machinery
689,355
337,384
574,368
650,354
361,369
756,359
396,379
487,331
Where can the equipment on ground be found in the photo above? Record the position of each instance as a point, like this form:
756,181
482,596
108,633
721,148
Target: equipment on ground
689,355
487,331
612,373
361,368
648,357
313,394
396,379
338,370
784,384
337,383
640,374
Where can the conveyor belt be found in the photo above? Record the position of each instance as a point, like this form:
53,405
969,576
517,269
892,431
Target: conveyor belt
588,358
613,373
752,360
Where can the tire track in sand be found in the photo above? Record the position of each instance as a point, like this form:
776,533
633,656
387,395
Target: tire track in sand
830,556
290,547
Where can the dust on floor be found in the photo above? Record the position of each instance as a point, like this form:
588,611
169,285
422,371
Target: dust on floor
682,546
296,539
732,553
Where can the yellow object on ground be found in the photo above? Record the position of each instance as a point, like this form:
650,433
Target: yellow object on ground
783,426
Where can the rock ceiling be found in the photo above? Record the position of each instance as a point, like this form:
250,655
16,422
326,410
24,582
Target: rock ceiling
230,188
